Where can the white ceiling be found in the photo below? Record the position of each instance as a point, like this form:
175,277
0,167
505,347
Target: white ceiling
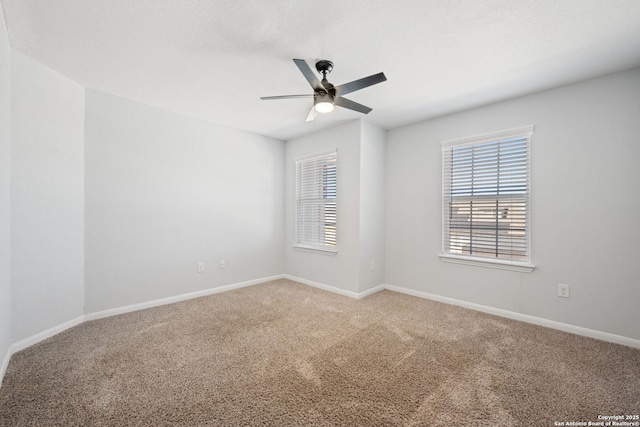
213,59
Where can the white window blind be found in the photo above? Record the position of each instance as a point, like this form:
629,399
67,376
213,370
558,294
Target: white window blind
316,201
486,187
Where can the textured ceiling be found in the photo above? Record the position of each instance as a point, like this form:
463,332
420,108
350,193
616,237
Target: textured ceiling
214,59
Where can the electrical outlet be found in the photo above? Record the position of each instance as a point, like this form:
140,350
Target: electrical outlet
563,290
200,267
372,265
221,264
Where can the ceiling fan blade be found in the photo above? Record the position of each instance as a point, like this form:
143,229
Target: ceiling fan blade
309,75
360,84
347,103
267,98
312,114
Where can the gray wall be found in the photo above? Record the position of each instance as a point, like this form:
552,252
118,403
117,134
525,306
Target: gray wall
5,196
372,206
585,204
361,150
341,270
166,191
47,197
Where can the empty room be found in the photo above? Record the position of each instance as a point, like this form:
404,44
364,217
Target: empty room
293,213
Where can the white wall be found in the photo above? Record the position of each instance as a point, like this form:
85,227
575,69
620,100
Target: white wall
372,206
164,192
342,270
47,197
5,183
585,204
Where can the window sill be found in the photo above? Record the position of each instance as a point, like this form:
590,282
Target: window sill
488,263
329,252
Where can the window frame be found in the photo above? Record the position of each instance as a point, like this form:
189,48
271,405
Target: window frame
497,262
299,242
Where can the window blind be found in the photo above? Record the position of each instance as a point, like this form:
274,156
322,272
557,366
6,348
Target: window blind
486,187
316,201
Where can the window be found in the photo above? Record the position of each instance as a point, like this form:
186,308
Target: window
485,198
316,201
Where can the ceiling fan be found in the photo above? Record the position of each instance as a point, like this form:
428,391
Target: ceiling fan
325,95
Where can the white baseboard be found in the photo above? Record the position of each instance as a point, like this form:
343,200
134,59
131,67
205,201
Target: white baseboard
333,289
578,330
41,336
5,364
371,291
321,286
178,298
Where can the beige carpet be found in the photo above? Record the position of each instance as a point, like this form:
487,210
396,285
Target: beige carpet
286,354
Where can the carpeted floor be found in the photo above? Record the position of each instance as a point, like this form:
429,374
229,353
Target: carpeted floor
286,354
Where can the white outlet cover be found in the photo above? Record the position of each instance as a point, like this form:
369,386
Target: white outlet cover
563,290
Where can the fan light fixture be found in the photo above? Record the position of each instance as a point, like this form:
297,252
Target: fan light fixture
323,103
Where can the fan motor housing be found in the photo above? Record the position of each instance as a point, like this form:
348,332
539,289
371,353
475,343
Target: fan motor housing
324,66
